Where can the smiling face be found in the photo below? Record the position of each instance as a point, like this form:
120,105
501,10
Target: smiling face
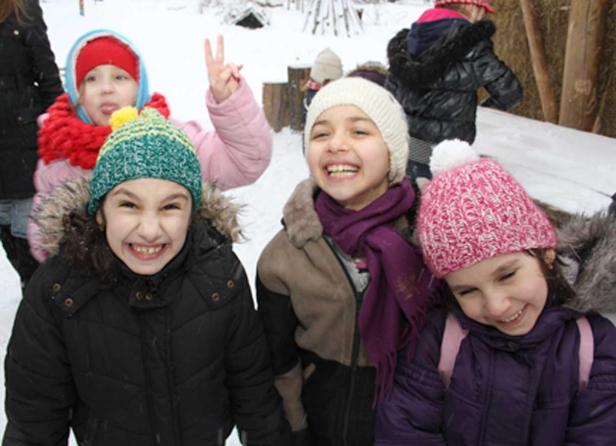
348,157
146,222
507,292
105,89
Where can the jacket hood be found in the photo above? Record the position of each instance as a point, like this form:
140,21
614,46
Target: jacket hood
301,220
434,62
587,249
143,92
62,218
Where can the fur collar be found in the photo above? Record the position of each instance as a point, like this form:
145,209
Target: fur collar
587,247
63,221
301,220
434,62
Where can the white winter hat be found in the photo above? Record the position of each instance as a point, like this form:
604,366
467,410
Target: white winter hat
326,66
380,106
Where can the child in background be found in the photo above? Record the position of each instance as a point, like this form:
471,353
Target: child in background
437,67
142,330
334,289
106,72
327,67
372,71
518,377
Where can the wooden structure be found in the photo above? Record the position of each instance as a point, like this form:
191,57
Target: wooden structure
333,17
283,102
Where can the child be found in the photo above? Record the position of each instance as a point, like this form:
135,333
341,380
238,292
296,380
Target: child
29,83
327,67
372,71
436,69
142,330
333,288
520,376
106,72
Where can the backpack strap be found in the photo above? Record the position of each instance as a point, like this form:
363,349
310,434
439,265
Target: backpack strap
453,336
586,352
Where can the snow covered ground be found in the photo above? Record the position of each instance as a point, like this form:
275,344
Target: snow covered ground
566,168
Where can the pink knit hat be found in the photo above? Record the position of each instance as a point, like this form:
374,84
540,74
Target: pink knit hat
474,210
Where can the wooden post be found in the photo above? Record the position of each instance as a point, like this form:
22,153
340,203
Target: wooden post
540,65
578,104
275,104
298,76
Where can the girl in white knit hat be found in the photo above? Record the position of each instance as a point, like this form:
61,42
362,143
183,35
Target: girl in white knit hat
334,289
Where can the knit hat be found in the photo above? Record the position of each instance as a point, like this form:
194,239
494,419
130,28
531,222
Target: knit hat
380,106
144,145
102,47
105,50
485,4
327,66
474,210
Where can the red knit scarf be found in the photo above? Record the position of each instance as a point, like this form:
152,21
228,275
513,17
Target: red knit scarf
65,136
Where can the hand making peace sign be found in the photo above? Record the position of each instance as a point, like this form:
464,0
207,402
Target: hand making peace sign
224,78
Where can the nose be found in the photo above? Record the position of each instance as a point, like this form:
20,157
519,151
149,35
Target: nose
337,143
149,228
497,304
107,85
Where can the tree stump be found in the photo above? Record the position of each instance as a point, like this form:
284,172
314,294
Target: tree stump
298,76
275,104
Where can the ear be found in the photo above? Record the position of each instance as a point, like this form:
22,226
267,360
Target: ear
549,257
100,219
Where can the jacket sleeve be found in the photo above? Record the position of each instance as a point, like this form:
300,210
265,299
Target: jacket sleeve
496,77
45,70
592,419
256,405
39,386
280,322
240,148
413,412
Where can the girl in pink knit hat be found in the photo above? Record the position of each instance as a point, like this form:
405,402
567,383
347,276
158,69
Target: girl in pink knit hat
518,355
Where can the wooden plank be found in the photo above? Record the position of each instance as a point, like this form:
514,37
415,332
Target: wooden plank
275,104
297,76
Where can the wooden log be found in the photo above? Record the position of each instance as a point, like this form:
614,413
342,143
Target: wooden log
276,104
298,76
578,104
539,61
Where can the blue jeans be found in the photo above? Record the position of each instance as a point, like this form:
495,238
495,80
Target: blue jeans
14,216
15,213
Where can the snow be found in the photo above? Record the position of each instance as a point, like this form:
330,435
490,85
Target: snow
566,168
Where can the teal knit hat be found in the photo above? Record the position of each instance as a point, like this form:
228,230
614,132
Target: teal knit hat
144,145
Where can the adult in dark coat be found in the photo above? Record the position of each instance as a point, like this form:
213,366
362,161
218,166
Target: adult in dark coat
435,71
29,83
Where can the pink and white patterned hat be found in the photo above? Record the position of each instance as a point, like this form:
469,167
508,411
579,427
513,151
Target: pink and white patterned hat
473,210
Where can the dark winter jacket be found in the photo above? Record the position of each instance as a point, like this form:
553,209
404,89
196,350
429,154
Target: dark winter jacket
524,390
438,87
176,358
309,306
29,83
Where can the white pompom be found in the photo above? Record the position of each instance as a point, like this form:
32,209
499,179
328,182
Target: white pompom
450,154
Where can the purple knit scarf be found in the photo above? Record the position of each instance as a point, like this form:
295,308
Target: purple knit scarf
400,290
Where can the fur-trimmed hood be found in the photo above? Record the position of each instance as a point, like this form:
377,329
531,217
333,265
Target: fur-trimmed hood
301,220
434,62
587,248
63,220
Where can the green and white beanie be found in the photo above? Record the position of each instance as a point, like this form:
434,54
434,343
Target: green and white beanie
144,145
382,108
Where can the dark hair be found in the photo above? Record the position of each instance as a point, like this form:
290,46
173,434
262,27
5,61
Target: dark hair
15,8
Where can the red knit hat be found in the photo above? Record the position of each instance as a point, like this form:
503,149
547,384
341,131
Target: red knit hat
485,4
105,51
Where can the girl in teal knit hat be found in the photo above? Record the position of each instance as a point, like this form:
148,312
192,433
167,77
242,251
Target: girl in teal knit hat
142,329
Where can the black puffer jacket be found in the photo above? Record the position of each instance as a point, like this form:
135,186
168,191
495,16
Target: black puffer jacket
29,83
172,359
438,88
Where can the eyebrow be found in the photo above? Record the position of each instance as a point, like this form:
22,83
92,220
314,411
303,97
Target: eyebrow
171,197
352,119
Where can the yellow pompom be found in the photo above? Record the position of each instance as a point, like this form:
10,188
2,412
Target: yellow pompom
122,116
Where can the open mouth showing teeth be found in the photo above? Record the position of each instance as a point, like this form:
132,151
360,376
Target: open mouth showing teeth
147,250
514,317
341,169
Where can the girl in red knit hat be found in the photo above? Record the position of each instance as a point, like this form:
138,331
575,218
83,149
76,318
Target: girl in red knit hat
105,72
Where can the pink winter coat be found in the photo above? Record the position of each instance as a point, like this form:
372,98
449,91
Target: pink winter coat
235,154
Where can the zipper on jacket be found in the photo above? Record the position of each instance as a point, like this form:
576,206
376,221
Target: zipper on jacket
354,351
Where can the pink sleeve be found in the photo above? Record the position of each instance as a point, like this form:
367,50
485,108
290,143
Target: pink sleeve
240,148
46,178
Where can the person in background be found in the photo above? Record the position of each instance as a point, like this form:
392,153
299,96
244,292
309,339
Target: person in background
341,288
373,71
436,69
327,67
141,329
29,83
534,362
104,72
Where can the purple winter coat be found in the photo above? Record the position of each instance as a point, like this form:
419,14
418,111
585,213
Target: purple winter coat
505,390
